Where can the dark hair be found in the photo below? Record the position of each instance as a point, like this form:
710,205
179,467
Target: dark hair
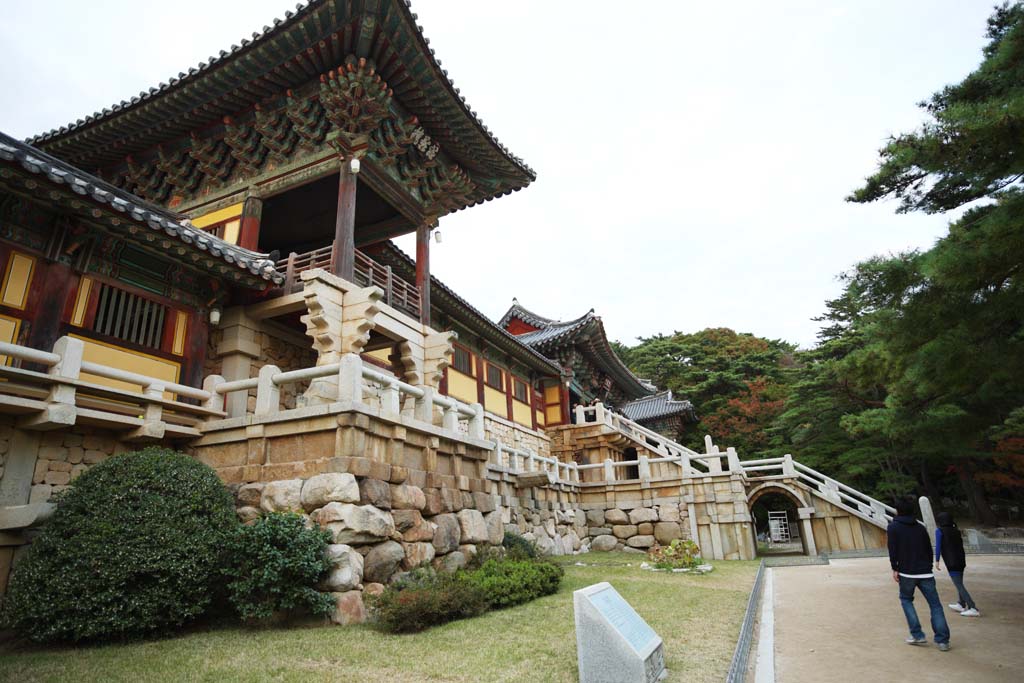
944,519
905,506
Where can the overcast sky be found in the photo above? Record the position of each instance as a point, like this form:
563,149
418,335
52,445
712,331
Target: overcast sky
692,157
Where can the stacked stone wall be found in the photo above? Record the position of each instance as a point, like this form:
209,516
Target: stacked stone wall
517,436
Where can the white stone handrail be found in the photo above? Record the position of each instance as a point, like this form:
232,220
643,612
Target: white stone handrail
827,487
517,460
350,373
61,395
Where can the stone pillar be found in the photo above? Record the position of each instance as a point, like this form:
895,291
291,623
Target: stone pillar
237,351
808,529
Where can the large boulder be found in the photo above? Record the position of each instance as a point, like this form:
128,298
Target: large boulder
249,495
383,561
447,533
640,515
484,502
495,529
405,497
668,513
640,541
417,554
350,523
332,487
433,505
624,530
616,516
376,493
346,569
348,608
595,517
546,546
473,527
282,496
666,532
451,500
450,562
412,526
604,543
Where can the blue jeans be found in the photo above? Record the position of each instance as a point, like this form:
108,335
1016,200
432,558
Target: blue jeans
931,595
965,598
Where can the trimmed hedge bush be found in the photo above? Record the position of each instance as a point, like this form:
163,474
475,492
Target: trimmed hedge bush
513,582
133,548
274,565
426,598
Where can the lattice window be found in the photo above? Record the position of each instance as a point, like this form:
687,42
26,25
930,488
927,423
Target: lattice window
463,360
495,378
519,390
129,317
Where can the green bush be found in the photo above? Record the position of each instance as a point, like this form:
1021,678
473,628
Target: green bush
518,548
132,549
274,564
513,582
680,554
426,598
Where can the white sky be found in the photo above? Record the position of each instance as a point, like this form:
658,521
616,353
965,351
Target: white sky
692,157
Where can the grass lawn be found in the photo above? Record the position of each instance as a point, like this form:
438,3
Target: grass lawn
698,617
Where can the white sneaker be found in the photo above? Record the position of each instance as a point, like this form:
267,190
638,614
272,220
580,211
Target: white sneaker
972,612
956,606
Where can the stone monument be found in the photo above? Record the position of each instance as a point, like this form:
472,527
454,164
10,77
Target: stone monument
613,643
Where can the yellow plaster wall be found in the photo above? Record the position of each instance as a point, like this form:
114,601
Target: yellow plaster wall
540,418
8,333
551,394
495,402
521,413
461,386
81,302
382,355
129,361
554,413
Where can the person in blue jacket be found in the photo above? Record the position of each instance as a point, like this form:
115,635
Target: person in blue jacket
910,555
949,548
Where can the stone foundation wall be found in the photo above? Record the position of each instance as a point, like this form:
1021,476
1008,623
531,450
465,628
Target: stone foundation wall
516,436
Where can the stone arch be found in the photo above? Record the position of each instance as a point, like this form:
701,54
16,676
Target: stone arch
798,504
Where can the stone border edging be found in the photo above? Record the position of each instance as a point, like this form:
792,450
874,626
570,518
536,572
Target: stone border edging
738,667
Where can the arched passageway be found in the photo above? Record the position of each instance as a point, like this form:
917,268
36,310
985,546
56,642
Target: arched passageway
777,527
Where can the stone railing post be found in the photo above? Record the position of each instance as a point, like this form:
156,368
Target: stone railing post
268,395
152,416
581,414
210,384
734,460
787,466
391,399
451,418
684,462
350,378
476,423
644,468
60,409
425,406
609,470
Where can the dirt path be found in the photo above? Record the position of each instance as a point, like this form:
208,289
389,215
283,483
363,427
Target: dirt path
843,622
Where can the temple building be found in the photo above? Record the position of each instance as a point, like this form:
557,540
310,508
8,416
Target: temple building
209,266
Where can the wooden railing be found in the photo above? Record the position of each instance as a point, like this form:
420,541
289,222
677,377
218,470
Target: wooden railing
60,397
367,273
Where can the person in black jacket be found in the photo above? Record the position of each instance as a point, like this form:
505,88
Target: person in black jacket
949,546
910,554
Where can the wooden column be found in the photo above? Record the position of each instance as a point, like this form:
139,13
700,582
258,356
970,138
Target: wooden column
249,231
345,224
423,271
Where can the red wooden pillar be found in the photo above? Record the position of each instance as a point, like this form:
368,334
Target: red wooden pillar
508,395
345,224
249,231
423,271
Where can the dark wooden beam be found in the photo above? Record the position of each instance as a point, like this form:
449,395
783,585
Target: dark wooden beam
249,231
423,270
345,224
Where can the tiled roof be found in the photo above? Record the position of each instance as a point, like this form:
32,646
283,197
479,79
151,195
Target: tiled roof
587,331
282,56
658,405
134,209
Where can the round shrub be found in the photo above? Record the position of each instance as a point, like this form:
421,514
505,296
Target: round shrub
132,549
274,564
426,598
517,547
